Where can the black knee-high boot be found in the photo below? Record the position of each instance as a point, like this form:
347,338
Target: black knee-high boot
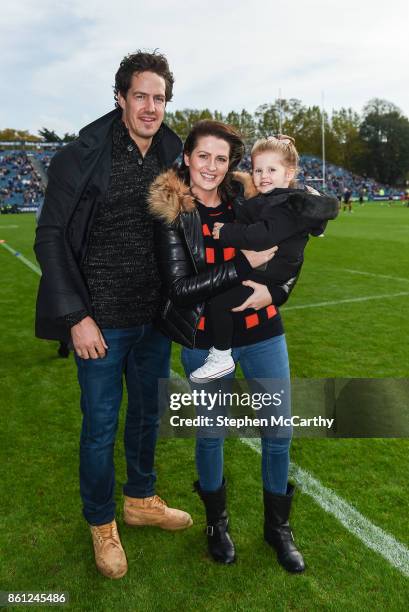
277,531
219,542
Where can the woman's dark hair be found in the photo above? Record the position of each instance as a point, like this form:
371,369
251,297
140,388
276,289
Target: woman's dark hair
142,62
208,127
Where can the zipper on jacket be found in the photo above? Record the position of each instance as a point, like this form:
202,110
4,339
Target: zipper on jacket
166,309
202,306
187,244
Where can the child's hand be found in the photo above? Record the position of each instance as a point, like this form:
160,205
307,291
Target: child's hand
216,230
312,190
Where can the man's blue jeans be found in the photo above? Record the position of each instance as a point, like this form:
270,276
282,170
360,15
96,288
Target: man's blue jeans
267,359
142,355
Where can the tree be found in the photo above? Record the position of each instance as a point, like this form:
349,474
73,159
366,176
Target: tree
375,144
49,135
301,122
380,107
268,120
385,130
244,123
247,126
349,147
182,121
308,130
9,134
69,137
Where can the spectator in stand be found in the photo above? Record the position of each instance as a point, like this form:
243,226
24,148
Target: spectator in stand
19,181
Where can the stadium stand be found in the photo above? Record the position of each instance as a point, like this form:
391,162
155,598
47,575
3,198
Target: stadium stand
23,178
337,179
20,184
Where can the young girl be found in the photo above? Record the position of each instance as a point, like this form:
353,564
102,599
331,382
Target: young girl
278,214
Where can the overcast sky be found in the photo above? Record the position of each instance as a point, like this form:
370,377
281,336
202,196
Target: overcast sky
58,58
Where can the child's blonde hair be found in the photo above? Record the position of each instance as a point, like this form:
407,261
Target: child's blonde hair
282,144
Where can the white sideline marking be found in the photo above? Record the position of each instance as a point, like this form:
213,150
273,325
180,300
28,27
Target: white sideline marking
395,278
372,536
375,538
346,301
21,257
6,227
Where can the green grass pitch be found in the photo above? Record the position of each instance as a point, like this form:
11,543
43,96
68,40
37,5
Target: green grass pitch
44,542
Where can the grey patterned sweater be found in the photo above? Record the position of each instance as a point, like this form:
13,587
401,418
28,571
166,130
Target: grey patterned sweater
120,267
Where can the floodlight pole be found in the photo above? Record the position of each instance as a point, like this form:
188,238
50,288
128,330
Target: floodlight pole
323,139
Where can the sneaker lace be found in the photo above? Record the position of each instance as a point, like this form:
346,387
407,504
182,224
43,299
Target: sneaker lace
215,357
212,359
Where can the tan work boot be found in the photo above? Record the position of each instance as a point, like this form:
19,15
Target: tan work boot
154,511
109,554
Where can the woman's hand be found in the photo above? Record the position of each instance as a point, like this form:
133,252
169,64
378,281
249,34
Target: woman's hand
216,230
260,298
258,258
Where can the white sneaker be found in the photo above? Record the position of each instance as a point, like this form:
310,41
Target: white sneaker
217,364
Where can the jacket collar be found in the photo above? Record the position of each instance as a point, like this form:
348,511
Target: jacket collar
171,201
95,134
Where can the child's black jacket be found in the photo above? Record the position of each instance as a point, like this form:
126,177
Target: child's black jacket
283,217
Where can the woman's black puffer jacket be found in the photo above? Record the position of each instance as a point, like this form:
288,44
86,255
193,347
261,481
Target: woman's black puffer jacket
187,282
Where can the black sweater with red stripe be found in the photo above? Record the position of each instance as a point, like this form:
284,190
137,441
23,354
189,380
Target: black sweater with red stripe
249,326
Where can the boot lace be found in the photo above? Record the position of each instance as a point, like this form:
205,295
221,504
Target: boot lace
158,501
107,534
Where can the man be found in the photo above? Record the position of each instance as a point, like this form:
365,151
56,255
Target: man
100,290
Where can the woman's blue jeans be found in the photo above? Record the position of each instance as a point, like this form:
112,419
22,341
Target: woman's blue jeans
267,359
141,355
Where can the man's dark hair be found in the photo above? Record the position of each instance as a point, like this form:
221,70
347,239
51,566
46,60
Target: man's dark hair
142,62
209,127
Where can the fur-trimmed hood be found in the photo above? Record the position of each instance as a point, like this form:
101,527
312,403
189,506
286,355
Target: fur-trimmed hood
169,196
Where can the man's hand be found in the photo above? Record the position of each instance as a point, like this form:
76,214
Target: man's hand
216,230
258,258
260,298
88,340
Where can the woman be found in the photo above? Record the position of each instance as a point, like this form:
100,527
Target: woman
195,268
